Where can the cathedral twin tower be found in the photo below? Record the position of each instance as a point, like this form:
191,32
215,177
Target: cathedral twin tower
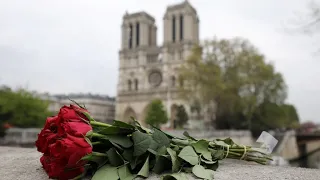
148,71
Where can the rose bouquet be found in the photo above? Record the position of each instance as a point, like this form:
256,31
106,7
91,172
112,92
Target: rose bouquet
75,145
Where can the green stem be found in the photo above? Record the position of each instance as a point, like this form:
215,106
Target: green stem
233,153
237,150
180,142
99,154
95,123
260,161
173,145
96,143
97,135
257,151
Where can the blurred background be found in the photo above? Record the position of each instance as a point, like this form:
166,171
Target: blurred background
215,68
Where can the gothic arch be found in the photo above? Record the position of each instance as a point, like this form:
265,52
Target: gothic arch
129,85
128,113
181,25
173,28
136,84
130,36
137,34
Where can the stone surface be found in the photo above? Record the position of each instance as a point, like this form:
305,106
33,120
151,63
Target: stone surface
23,164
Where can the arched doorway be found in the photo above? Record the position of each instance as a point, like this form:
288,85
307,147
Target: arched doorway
173,115
128,113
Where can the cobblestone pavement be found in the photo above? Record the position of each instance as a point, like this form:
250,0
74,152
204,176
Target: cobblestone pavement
23,164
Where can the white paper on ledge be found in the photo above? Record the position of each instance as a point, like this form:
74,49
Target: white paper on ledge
268,142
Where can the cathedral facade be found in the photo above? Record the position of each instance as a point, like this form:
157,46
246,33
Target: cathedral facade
148,71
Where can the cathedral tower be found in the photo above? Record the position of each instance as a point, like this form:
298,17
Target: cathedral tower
181,30
138,30
181,25
147,71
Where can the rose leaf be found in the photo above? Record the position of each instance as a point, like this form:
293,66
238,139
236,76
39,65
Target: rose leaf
201,172
162,164
161,139
189,155
124,173
144,171
114,157
174,160
141,142
201,147
106,172
123,141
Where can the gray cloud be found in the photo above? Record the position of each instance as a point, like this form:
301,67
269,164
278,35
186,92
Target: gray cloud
72,46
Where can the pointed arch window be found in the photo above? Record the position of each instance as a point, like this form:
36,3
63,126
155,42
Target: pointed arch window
173,28
137,34
181,27
130,35
150,35
136,84
129,85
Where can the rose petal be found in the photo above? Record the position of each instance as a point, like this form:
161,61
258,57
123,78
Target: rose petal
78,129
72,113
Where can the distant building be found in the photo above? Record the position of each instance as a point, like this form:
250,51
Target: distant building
102,108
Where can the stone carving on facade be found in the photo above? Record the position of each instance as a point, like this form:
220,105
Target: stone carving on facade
155,78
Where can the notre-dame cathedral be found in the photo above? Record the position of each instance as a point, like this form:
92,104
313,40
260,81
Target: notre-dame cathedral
148,71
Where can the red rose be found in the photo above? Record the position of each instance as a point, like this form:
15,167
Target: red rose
63,144
55,168
52,123
73,121
72,113
48,134
78,129
66,153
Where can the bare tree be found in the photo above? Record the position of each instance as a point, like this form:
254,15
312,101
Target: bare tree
306,22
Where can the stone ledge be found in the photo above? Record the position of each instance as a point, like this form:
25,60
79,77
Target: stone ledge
23,164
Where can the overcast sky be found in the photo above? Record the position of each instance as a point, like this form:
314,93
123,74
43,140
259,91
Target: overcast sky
65,46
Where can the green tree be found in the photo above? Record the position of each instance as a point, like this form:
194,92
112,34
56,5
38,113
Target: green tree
181,116
22,109
156,114
291,113
271,115
232,78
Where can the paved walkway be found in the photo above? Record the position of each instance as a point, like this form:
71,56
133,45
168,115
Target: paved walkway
23,164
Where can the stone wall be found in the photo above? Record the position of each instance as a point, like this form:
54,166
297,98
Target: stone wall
18,136
287,146
24,164
29,136
314,159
